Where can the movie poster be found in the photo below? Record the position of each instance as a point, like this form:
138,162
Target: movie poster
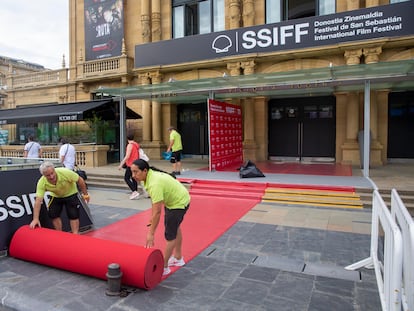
104,28
225,135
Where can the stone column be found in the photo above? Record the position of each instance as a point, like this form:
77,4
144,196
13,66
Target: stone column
352,4
235,14
146,113
156,20
145,21
371,3
352,118
248,13
156,114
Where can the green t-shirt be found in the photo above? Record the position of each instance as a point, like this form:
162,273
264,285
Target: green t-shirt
65,185
163,187
177,145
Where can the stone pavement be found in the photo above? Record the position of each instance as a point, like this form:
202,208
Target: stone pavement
276,257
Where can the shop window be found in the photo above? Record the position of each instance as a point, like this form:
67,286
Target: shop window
194,17
281,10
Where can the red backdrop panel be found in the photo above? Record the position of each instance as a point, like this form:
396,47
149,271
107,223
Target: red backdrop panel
141,267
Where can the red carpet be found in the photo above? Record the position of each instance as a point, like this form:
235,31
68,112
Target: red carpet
141,267
208,217
325,169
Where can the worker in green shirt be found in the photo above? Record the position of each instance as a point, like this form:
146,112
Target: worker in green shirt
62,184
164,191
176,146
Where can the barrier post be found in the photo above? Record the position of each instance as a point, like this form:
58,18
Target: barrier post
387,273
404,220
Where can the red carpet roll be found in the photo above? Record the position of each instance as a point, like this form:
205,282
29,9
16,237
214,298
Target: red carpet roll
141,267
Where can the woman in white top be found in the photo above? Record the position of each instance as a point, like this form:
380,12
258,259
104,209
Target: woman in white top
32,149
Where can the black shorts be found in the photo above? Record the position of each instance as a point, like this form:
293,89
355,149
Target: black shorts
176,156
172,220
71,204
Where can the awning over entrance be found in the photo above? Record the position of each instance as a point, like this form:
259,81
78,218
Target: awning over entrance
105,109
393,76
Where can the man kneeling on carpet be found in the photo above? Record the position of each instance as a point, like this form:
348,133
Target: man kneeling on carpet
62,184
166,191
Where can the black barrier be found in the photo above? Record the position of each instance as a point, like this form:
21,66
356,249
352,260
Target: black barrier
17,197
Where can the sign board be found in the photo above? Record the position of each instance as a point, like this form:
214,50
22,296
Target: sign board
17,197
393,20
225,135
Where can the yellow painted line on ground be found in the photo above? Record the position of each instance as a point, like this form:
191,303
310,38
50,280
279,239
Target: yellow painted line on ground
307,191
312,204
297,196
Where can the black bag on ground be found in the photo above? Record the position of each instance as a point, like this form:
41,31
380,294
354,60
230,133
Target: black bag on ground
249,170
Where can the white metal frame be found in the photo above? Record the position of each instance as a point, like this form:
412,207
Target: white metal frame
404,220
388,273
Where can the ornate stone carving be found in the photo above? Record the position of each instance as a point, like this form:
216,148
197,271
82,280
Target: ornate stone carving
372,54
353,57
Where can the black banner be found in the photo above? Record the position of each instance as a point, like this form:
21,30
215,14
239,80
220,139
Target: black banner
104,28
393,20
17,197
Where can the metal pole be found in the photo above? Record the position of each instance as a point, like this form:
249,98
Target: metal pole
122,127
367,138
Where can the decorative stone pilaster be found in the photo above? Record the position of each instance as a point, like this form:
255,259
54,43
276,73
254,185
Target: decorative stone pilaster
248,67
248,13
156,26
234,68
235,14
371,3
372,54
352,4
353,57
146,29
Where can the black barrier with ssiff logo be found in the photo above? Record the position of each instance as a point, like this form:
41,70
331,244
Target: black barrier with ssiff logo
17,197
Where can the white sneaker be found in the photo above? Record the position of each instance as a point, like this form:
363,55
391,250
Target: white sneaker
174,262
166,271
134,195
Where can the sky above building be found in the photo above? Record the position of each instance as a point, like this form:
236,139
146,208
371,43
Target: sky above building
35,31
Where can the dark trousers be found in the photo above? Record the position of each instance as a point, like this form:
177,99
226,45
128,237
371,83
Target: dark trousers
131,182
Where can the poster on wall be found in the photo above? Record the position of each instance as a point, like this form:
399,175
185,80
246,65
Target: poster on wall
104,28
225,135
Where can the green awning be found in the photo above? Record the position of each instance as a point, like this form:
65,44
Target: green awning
394,76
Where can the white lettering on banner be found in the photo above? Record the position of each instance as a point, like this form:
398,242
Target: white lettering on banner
16,206
356,25
266,37
103,30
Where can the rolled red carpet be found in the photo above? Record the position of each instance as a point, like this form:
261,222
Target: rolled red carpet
141,267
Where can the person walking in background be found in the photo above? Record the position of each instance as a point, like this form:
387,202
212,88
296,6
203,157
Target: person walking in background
165,191
131,154
32,149
176,146
62,184
67,154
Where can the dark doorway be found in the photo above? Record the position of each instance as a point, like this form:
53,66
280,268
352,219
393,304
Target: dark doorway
401,125
302,129
193,127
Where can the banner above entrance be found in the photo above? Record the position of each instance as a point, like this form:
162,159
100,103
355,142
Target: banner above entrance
365,24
